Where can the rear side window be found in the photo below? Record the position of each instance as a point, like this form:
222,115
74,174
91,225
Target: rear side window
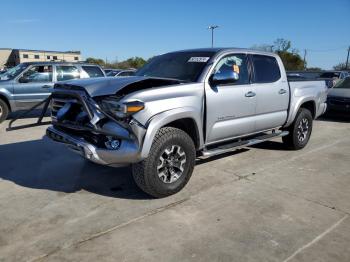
93,71
266,69
67,73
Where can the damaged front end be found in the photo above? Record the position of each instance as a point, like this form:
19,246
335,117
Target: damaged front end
90,117
103,131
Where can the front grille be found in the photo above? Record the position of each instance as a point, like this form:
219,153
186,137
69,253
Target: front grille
58,103
68,109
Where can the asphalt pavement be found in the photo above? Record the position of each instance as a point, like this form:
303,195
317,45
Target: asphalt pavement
262,203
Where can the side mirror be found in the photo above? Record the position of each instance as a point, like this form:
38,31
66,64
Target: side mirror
224,77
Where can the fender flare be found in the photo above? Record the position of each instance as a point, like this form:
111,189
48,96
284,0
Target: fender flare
296,106
166,117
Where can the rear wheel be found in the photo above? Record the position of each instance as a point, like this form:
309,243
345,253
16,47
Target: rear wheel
4,110
169,165
299,131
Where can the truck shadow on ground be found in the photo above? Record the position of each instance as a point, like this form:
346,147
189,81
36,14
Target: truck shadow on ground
42,164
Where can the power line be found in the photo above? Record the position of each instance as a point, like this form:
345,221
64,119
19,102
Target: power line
327,50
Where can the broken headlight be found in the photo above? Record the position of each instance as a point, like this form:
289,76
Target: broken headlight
121,110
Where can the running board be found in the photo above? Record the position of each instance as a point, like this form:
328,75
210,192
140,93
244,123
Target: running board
239,144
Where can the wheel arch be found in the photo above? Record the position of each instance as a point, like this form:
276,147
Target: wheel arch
186,119
307,102
6,100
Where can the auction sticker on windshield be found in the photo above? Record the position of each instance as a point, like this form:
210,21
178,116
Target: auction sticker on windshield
198,59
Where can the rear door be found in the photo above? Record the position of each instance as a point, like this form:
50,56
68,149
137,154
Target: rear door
272,92
33,85
230,107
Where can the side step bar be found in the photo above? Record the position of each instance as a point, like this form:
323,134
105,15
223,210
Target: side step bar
241,143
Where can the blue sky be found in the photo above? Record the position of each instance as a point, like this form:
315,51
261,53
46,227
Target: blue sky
121,29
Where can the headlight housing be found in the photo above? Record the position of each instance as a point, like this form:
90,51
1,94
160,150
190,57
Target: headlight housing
121,110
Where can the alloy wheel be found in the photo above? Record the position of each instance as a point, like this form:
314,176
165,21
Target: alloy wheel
171,164
303,129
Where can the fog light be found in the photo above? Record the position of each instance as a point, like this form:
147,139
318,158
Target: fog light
113,144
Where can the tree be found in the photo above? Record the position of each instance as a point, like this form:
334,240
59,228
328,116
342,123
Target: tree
133,62
340,66
282,45
97,61
291,61
313,69
290,56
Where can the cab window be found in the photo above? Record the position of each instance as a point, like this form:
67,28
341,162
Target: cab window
37,74
236,63
266,69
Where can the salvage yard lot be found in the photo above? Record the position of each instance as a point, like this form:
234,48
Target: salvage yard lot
257,204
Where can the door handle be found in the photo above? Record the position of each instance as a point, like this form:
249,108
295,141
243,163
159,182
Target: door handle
250,94
282,91
46,86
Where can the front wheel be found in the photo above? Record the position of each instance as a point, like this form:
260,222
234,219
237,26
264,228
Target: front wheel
4,110
299,131
169,165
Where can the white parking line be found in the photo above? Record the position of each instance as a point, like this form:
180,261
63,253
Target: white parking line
316,239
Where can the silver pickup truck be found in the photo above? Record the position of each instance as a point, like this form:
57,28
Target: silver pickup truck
182,106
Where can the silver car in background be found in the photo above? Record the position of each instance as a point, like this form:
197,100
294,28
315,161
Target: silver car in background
27,84
120,72
338,99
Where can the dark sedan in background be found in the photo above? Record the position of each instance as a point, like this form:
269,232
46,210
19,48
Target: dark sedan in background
338,100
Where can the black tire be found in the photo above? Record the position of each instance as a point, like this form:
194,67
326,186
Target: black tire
4,110
300,131
146,173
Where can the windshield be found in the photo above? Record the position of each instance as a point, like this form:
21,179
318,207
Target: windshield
185,66
13,72
344,83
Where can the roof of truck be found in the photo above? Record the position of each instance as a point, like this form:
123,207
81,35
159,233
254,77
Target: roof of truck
227,49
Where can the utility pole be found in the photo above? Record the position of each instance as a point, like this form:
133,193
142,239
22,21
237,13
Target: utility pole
305,51
347,59
212,28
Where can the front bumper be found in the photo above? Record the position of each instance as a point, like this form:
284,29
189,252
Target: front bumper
127,153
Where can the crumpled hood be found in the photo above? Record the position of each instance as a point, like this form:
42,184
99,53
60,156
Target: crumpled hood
111,85
340,92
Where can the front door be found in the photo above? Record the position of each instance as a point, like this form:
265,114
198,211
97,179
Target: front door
230,107
33,86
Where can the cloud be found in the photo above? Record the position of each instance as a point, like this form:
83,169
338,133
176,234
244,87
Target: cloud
23,21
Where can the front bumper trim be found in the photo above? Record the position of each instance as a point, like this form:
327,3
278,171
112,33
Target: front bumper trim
127,153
